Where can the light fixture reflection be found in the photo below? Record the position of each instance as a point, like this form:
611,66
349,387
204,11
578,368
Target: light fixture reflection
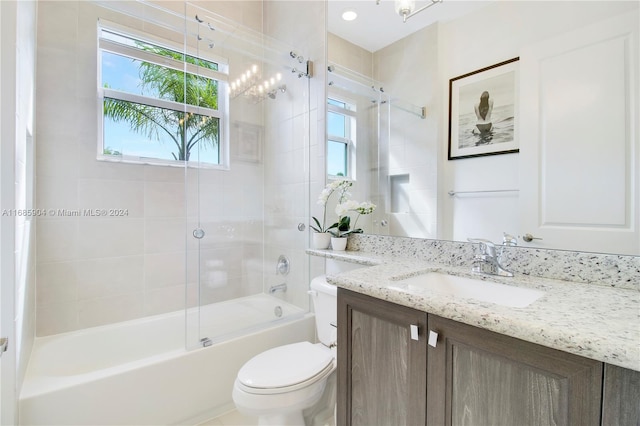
349,14
404,8
252,85
407,8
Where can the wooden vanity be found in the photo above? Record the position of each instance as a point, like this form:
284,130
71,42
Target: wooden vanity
402,366
413,355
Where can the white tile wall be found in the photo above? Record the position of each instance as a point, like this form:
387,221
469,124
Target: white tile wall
58,282
286,195
114,194
57,240
98,237
56,317
105,310
93,271
109,276
413,144
344,53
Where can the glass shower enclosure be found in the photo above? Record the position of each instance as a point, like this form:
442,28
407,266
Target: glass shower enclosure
246,266
232,184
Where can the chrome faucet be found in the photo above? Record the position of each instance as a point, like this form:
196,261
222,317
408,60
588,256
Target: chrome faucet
488,262
280,287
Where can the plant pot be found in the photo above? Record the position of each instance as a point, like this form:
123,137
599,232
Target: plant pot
321,240
338,243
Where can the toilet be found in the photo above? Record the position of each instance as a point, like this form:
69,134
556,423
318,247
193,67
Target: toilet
278,384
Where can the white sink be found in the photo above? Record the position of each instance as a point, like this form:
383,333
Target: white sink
452,285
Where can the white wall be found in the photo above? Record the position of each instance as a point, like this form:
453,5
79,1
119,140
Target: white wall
490,35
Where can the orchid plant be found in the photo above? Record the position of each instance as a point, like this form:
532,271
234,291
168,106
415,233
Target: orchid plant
342,227
344,222
337,185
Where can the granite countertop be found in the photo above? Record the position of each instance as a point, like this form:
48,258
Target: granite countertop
593,321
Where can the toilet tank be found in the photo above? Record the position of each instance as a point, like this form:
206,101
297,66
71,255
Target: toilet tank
325,305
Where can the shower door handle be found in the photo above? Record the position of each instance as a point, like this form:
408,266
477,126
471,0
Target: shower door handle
198,233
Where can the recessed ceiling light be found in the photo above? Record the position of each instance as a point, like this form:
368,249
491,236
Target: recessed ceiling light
349,14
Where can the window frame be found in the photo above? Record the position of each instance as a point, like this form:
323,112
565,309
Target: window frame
221,76
351,121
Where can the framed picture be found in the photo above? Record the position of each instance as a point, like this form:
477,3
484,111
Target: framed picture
248,142
483,107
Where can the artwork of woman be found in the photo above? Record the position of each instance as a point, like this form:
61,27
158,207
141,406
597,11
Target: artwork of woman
483,111
482,107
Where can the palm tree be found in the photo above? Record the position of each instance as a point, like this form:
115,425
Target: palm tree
186,130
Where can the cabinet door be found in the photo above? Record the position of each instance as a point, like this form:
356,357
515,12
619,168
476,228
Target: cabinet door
477,377
381,369
621,397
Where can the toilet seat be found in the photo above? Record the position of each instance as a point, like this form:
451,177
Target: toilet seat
286,368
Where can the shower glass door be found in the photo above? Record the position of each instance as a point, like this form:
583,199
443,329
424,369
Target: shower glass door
246,181
361,102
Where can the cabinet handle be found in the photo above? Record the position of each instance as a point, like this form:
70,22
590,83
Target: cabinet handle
433,338
414,331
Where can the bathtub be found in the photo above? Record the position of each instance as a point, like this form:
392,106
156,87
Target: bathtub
139,373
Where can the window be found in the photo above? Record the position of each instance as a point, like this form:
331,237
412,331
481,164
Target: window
160,105
341,132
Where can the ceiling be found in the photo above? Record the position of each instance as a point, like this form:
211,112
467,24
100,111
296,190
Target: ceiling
379,25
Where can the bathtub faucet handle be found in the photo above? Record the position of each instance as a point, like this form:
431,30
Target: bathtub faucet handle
283,265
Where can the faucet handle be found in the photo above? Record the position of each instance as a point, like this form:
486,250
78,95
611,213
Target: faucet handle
486,246
509,240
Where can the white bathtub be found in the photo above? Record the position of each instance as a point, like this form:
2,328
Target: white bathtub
138,372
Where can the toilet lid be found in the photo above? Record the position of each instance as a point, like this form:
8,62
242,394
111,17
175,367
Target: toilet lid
285,365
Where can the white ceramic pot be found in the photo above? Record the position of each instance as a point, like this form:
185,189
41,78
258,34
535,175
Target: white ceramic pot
321,240
338,244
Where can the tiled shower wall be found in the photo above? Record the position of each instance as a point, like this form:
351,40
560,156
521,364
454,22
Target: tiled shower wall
407,70
93,271
294,146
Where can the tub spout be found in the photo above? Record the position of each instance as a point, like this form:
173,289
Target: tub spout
280,287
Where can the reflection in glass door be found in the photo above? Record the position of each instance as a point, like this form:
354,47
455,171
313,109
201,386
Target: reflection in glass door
239,211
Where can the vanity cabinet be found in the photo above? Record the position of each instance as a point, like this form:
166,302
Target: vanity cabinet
382,371
477,377
470,377
620,396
